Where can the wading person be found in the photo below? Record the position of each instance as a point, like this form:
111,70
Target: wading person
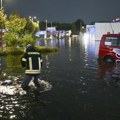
32,62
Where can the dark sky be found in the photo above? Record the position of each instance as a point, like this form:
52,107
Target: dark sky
65,11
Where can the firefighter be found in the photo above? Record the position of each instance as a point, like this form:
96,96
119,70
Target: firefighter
32,62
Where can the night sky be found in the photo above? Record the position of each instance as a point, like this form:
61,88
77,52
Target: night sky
65,11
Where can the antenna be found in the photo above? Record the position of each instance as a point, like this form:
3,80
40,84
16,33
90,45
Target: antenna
112,28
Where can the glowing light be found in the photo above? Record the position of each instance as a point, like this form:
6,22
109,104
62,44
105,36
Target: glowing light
69,41
86,39
12,116
85,36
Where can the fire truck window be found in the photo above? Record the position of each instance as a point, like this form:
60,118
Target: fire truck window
113,41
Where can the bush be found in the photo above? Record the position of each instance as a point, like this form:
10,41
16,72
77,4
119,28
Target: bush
14,51
46,49
20,50
2,53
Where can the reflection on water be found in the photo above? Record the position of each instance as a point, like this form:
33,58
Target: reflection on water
110,73
82,87
105,68
15,102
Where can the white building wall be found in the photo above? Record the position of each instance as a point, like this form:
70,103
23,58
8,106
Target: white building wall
104,28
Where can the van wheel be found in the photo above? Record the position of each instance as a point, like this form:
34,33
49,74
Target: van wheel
109,59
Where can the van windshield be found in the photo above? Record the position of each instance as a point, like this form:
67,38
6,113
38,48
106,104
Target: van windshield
112,41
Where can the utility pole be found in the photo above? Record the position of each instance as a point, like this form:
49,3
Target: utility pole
1,3
46,24
46,29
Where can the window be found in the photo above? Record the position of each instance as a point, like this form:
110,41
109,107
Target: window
112,41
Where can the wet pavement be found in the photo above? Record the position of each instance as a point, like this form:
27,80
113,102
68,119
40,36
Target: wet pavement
82,87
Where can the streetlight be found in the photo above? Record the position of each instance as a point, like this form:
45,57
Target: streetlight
32,18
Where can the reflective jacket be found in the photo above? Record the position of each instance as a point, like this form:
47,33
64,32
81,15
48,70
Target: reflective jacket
31,61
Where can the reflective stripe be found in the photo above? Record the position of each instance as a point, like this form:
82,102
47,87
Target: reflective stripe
23,59
30,63
39,61
32,71
33,53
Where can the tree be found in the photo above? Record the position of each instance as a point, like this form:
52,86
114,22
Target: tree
16,24
31,26
74,29
11,39
13,30
27,39
3,19
79,23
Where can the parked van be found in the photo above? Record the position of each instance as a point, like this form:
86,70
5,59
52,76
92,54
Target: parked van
109,49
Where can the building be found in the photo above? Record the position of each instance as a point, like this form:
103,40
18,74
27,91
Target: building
104,28
48,32
51,32
97,30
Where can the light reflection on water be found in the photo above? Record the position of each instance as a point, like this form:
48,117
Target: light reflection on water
83,88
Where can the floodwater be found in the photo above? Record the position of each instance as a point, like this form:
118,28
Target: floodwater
82,87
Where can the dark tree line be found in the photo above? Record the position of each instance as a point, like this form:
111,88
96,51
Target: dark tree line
75,27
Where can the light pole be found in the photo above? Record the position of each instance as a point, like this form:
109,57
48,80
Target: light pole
46,24
1,6
46,28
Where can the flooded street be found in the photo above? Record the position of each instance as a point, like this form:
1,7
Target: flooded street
82,88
